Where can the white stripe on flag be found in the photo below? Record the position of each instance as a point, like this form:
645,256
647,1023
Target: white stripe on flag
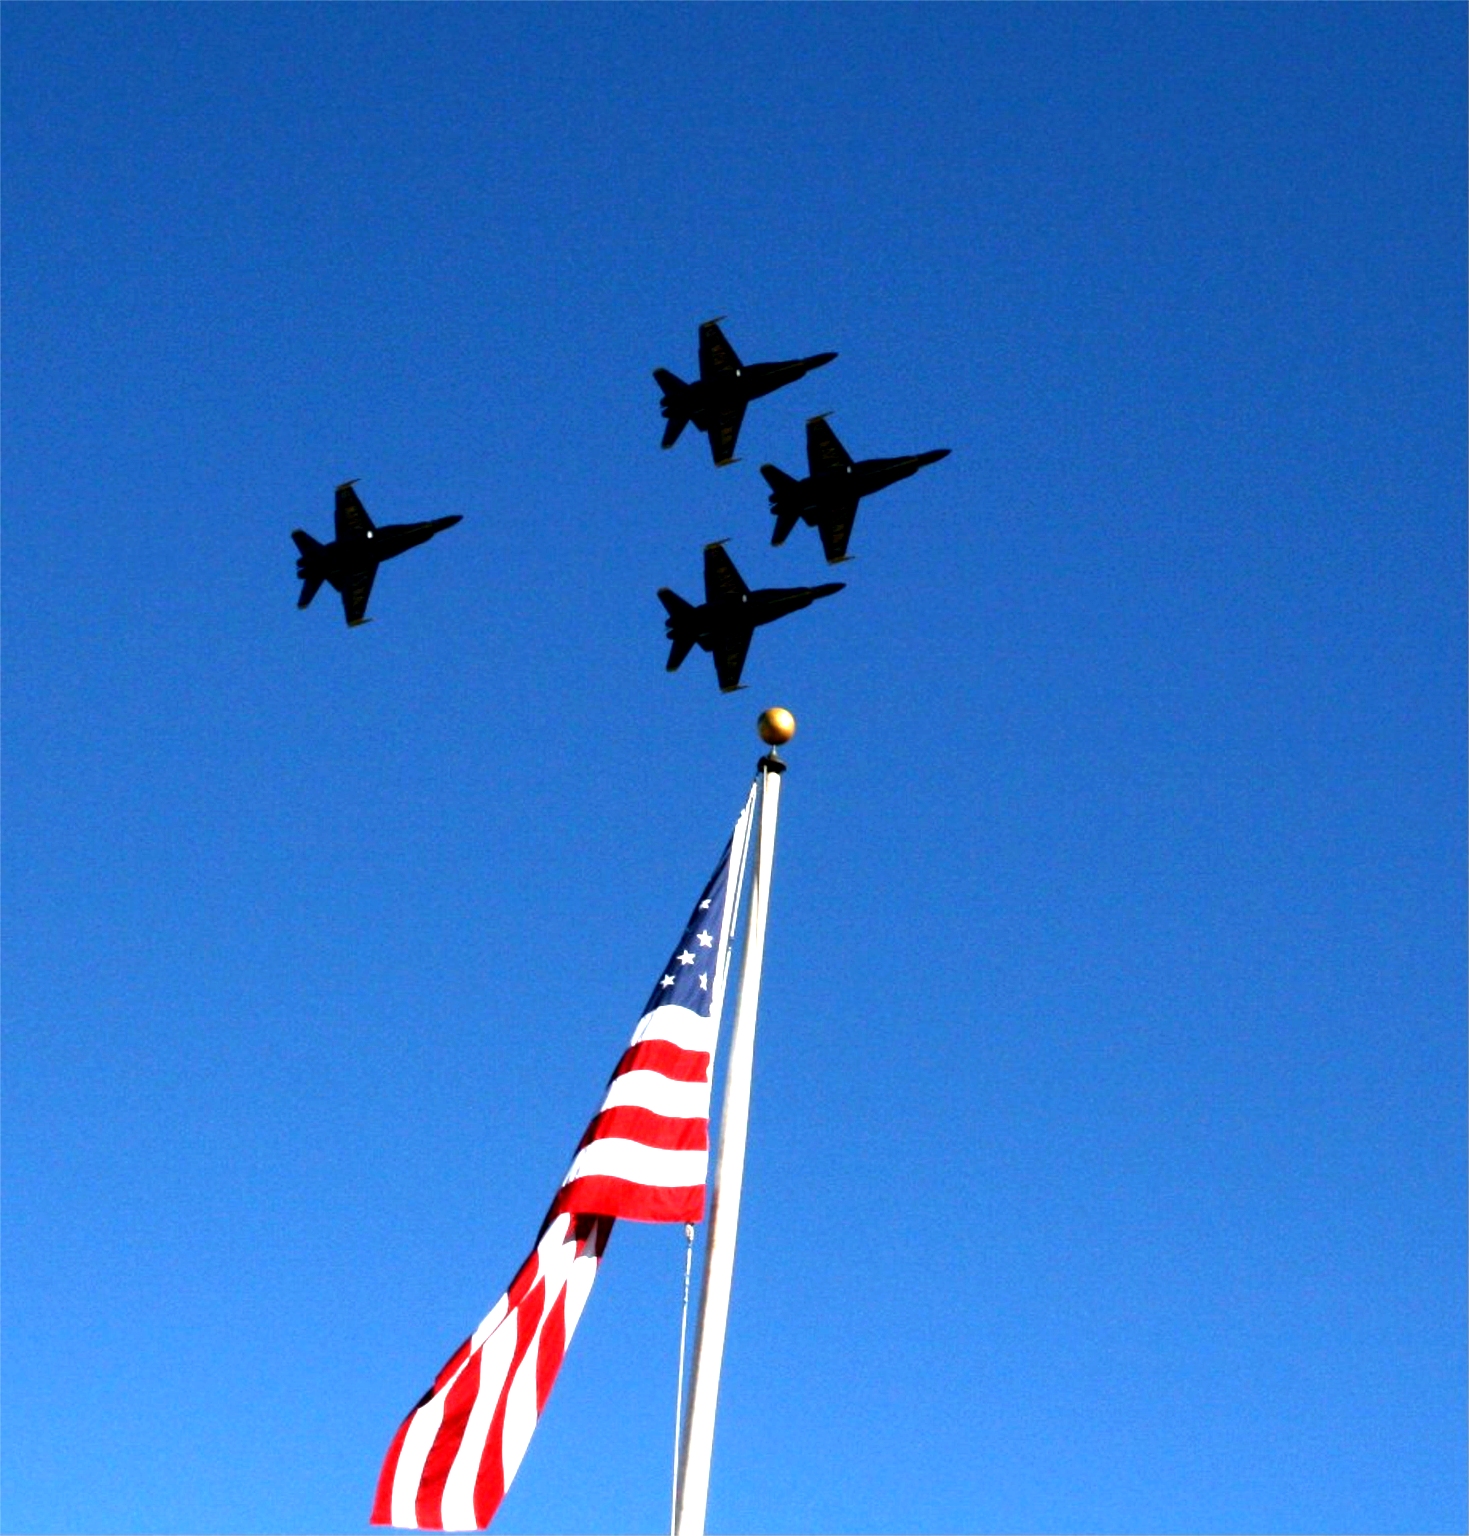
663,1095
680,1026
458,1500
631,1160
457,1503
416,1446
520,1413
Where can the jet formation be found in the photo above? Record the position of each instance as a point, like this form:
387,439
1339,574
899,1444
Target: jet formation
724,623
827,498
351,560
715,402
729,615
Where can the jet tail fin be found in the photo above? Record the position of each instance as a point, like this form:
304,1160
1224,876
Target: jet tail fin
680,611
308,567
782,486
674,389
683,630
778,480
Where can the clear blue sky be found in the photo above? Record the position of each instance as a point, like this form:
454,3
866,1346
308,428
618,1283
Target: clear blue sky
1108,1158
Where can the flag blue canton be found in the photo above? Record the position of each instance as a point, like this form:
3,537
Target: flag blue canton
688,978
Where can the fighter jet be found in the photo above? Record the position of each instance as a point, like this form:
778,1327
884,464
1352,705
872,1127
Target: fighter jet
716,401
351,560
729,615
827,498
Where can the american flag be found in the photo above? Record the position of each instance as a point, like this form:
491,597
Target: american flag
644,1156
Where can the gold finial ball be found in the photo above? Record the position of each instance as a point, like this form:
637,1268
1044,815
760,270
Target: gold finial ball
776,727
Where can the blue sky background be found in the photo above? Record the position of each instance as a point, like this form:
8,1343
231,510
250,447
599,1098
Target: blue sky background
1108,1146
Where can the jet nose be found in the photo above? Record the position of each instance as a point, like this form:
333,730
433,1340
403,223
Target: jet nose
821,359
447,522
828,589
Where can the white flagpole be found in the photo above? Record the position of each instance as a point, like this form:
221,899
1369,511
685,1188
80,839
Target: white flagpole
729,1172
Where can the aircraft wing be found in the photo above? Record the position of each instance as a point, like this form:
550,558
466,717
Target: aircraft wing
722,582
724,432
824,454
836,529
352,518
715,353
355,591
730,650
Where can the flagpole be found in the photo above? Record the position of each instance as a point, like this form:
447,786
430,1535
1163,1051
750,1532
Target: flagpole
698,1445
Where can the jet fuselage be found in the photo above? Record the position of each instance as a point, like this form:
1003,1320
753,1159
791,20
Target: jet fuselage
722,391
831,487
723,615
355,553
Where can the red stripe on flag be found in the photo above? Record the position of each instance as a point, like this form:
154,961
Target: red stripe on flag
453,1363
665,1057
525,1276
382,1504
489,1482
489,1485
550,1350
628,1122
428,1507
602,1194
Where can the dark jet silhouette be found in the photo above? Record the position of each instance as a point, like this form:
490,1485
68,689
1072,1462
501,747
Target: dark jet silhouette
827,498
716,401
351,560
729,615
